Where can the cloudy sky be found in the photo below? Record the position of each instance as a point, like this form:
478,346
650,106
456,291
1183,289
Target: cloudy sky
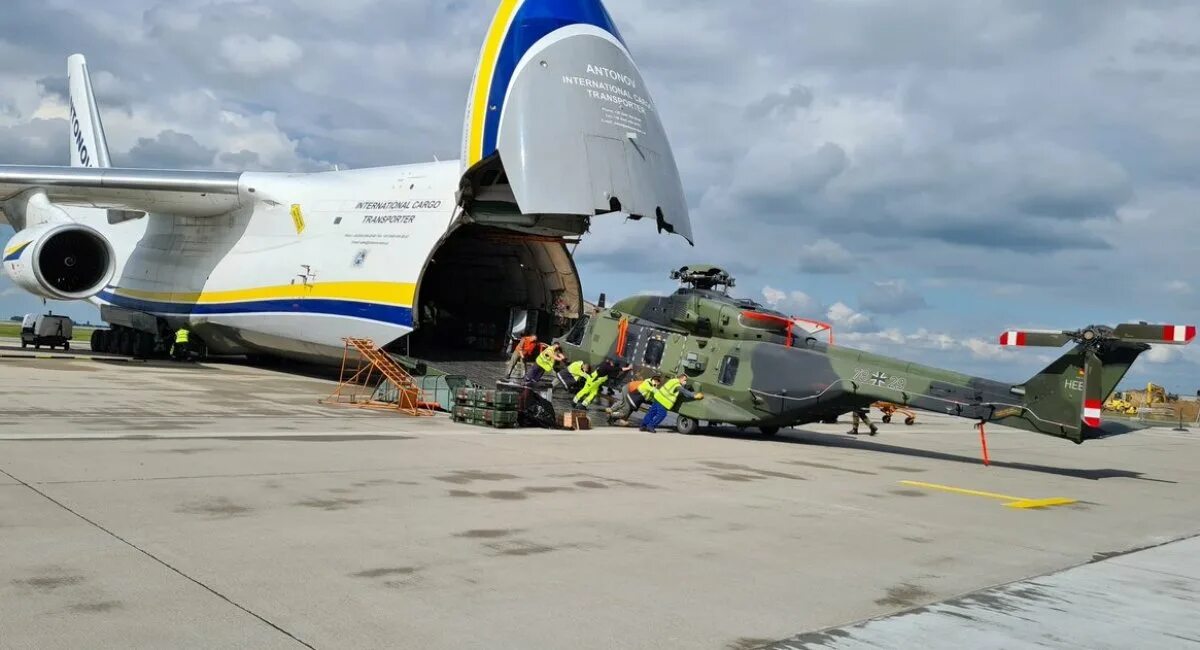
924,174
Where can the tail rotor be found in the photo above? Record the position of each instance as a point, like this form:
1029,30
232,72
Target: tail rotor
1093,343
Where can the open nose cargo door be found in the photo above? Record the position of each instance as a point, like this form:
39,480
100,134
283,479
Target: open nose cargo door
560,127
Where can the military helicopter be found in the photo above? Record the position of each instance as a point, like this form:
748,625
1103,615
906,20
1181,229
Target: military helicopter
760,368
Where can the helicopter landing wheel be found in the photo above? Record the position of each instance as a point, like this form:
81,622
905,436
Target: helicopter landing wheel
687,426
768,431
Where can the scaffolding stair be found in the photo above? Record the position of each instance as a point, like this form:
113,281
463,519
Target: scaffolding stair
364,367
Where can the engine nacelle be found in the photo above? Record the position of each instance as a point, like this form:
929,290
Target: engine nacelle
60,261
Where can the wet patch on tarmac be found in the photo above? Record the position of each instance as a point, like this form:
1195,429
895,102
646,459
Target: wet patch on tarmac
382,481
317,438
488,533
609,481
917,540
511,495
385,572
747,472
747,643
520,548
184,451
98,607
591,485
839,468
340,503
898,468
51,581
908,493
465,477
904,595
217,508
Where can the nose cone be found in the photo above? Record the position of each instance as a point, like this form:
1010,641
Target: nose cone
559,100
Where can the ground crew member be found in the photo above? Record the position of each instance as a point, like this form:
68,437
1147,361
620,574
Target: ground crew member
180,350
665,399
524,351
544,364
607,369
575,376
637,392
855,417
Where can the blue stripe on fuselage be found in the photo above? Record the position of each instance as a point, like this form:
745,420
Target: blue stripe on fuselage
391,314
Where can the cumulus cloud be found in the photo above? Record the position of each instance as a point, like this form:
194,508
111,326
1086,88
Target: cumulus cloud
796,303
845,319
825,256
891,297
171,150
255,57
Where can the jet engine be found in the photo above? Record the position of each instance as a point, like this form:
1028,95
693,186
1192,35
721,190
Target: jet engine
60,261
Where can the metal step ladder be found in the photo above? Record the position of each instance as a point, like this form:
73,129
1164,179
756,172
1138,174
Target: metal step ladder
364,367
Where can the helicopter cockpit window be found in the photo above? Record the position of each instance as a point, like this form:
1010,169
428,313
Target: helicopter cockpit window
729,367
577,332
654,352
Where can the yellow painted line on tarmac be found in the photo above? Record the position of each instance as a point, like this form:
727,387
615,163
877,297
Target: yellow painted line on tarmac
1013,502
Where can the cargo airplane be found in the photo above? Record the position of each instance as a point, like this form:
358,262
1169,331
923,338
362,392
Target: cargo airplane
559,129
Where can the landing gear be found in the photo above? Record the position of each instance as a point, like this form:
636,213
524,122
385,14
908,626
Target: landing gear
687,426
768,431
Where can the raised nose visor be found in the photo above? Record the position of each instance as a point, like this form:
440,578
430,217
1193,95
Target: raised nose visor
560,126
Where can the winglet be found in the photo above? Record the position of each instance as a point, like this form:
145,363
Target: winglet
89,147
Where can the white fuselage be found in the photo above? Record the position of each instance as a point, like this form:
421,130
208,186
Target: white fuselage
306,260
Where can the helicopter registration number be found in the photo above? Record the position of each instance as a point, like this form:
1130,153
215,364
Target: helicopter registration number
879,378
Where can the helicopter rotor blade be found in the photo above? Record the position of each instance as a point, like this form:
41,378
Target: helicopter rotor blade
1161,334
1034,338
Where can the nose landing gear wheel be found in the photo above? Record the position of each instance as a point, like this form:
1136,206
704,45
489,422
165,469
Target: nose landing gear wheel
687,426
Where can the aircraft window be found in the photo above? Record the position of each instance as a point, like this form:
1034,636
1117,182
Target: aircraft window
577,332
655,348
728,372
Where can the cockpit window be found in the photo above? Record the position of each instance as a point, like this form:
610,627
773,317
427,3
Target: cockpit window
577,332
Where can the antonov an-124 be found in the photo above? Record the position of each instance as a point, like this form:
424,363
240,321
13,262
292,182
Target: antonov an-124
559,129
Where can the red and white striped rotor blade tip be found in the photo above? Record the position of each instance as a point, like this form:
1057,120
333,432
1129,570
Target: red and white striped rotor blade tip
1013,338
1179,333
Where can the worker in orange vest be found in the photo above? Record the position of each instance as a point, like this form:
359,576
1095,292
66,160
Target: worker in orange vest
524,351
637,392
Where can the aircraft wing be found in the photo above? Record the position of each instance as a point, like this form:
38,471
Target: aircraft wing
185,193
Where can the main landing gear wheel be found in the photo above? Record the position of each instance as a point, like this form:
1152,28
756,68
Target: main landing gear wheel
66,345
687,426
768,431
909,421
887,419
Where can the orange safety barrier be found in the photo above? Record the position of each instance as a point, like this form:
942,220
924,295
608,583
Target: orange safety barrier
362,373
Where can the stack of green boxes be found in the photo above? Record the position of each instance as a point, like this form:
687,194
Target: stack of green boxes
486,407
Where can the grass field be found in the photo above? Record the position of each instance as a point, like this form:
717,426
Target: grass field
13,330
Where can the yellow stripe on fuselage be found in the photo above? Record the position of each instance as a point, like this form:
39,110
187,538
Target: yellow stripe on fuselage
483,80
12,249
384,293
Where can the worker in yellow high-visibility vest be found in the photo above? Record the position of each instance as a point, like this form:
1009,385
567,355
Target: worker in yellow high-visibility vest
665,399
180,350
544,363
637,392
